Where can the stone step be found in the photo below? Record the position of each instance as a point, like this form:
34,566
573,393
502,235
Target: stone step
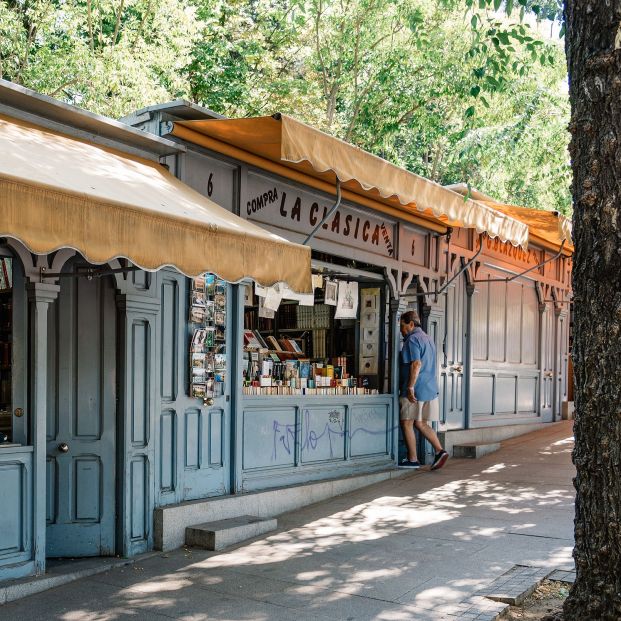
224,533
475,450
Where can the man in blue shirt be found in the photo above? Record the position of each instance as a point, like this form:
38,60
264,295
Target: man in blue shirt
418,390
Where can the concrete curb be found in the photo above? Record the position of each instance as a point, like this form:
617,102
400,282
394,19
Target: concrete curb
64,573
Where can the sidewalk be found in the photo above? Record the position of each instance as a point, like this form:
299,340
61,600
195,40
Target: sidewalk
413,548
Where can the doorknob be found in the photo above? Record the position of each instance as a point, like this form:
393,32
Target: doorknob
458,368
63,447
208,401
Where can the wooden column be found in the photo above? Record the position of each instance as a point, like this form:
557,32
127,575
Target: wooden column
40,296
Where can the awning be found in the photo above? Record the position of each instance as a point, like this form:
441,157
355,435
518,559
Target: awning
549,226
283,139
58,192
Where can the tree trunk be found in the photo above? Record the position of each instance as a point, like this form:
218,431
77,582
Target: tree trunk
593,46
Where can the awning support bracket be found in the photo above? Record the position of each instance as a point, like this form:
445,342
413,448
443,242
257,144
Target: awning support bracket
329,213
464,267
88,273
530,269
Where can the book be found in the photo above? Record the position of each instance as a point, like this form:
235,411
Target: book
271,340
250,340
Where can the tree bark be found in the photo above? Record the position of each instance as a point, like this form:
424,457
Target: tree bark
593,46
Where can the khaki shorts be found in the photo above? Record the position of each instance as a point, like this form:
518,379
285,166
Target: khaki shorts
421,410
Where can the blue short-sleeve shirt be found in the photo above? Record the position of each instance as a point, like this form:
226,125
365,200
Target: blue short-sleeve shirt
418,346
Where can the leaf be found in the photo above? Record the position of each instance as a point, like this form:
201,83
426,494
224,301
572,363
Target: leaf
473,21
469,112
475,90
497,4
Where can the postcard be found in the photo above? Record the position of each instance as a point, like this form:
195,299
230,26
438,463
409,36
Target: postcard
210,284
331,291
197,314
198,298
198,391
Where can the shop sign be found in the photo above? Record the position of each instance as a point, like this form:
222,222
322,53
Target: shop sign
211,178
286,207
512,253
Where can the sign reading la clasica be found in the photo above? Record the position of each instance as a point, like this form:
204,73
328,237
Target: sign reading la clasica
292,209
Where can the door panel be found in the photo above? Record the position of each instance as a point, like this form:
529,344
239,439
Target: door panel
451,355
547,363
193,442
81,420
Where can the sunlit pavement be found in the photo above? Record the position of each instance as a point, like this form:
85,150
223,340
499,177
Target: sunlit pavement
405,549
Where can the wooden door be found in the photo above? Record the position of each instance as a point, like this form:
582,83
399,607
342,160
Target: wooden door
547,363
451,356
81,419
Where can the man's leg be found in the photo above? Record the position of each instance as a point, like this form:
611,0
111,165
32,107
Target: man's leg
429,433
409,438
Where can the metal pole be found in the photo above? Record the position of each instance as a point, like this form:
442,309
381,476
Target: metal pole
328,214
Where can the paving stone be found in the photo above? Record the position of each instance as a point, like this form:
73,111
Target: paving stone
515,585
561,575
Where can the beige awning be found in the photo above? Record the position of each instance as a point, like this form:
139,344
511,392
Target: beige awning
58,192
548,228
283,139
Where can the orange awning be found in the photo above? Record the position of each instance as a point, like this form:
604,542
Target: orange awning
549,226
58,192
299,147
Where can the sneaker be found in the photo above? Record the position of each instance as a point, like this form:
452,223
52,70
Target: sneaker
440,460
412,465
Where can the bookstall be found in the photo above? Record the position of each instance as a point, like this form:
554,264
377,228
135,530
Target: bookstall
327,343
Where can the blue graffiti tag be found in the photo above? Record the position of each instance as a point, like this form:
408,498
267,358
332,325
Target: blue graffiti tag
285,433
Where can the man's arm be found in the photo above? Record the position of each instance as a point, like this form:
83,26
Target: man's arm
415,366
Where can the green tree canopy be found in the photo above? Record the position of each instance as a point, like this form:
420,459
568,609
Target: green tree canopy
456,90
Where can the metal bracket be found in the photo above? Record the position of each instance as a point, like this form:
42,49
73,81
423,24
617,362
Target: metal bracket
530,269
328,214
89,273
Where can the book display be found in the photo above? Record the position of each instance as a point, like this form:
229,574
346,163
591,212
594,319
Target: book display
208,342
308,350
6,331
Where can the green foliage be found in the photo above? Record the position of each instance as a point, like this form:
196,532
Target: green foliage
456,90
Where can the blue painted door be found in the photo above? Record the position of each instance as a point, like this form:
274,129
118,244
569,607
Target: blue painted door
193,439
451,357
81,420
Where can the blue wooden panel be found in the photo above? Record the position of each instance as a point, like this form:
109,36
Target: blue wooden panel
216,437
527,394
88,359
138,499
323,433
530,327
87,486
12,514
192,438
140,382
497,323
51,477
514,322
480,322
167,450
482,394
369,430
168,348
269,437
505,394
